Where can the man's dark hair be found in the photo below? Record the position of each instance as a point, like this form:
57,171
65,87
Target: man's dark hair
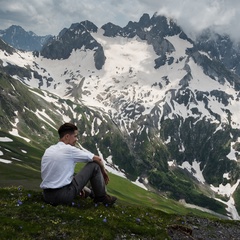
66,128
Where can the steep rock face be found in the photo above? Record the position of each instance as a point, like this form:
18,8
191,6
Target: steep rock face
215,69
5,47
78,36
221,48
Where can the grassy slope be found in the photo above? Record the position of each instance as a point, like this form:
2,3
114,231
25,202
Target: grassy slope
137,215
24,216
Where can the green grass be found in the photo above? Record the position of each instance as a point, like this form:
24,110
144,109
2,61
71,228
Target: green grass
24,215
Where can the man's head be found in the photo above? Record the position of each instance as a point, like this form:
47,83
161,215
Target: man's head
68,133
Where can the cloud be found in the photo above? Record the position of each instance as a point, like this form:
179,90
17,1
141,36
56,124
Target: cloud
31,15
193,17
51,16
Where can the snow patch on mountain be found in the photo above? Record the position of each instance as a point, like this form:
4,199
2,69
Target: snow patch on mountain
194,169
228,190
5,139
233,153
5,161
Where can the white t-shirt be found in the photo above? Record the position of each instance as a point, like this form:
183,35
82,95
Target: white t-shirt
58,163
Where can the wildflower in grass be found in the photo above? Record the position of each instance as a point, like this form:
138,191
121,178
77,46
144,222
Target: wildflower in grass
29,195
96,204
73,203
19,203
104,220
138,220
42,206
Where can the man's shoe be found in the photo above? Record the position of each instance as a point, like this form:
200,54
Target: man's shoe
106,200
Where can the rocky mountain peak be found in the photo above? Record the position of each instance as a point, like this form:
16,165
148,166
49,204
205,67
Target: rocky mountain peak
17,37
78,36
112,30
145,20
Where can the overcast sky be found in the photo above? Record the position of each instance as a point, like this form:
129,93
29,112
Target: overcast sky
51,16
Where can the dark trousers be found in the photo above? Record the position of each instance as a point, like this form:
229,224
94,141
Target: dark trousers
65,195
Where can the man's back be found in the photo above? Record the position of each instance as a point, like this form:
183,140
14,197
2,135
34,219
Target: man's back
57,166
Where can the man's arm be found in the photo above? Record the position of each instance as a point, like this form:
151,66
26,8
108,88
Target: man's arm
99,161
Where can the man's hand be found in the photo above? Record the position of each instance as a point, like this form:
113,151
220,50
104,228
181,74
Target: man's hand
82,194
98,160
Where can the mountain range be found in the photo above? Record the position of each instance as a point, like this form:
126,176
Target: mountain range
18,38
158,106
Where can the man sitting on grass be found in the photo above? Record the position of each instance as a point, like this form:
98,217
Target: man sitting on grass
59,184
